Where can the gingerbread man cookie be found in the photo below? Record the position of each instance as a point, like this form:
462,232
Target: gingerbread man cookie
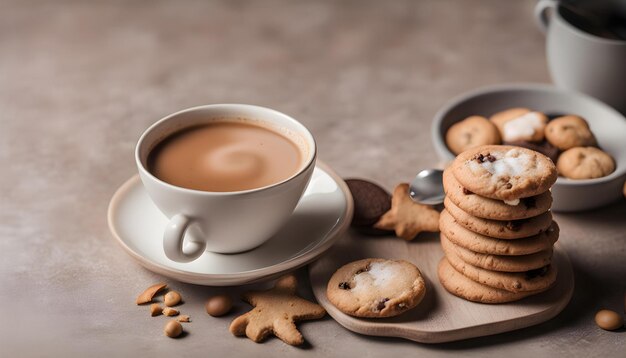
407,217
275,312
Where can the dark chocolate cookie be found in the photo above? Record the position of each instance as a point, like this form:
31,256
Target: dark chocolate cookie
370,202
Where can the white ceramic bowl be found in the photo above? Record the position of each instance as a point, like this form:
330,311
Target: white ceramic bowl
607,124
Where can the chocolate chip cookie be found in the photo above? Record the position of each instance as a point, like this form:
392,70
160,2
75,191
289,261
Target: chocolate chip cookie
489,245
532,280
487,208
504,172
568,132
376,288
510,229
464,287
503,263
370,201
471,132
585,163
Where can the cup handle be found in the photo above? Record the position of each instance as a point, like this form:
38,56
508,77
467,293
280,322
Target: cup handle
174,237
541,13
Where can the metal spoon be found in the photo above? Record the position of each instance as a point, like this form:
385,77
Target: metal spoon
427,187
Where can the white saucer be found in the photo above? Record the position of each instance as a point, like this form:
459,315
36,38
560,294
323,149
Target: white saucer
322,215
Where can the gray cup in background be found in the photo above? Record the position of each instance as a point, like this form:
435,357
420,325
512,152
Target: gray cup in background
581,61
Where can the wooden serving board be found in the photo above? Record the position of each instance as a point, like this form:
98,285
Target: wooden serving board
440,317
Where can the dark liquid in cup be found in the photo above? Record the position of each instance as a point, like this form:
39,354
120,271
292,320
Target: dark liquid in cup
226,155
606,19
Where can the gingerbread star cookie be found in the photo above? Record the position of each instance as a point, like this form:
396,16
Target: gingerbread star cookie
407,217
276,311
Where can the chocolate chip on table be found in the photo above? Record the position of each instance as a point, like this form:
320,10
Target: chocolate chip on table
344,285
370,202
381,304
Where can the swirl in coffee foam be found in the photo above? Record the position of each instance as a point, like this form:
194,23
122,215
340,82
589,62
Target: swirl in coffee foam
227,155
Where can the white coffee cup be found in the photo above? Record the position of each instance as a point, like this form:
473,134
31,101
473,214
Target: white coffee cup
581,61
224,222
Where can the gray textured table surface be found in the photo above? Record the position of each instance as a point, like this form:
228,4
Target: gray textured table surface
79,81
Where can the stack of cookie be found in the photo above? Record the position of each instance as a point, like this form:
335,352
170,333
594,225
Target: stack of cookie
497,231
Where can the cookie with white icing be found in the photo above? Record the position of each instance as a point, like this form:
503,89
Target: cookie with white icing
504,172
376,288
494,209
518,124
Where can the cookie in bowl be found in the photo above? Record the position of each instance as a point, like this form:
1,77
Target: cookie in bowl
585,163
471,132
607,126
520,124
570,131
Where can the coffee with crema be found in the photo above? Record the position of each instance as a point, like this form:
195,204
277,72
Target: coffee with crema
227,154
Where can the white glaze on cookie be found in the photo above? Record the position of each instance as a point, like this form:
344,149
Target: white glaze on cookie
504,172
380,275
513,202
512,163
522,127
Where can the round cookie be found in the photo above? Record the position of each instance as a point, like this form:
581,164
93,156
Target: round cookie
471,132
504,172
520,263
568,132
585,163
520,124
533,280
376,288
370,201
470,240
487,208
464,287
511,229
